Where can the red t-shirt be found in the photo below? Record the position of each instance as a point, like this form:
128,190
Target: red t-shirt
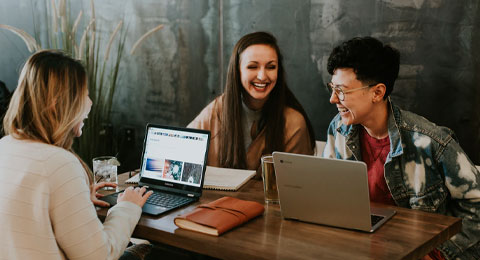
374,154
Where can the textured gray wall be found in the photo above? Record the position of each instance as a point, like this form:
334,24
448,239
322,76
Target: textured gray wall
179,70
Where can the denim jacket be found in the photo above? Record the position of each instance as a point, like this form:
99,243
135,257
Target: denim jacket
426,169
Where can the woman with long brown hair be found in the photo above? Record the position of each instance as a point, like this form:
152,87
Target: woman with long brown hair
46,190
257,113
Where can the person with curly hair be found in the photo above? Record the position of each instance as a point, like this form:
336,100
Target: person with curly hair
411,162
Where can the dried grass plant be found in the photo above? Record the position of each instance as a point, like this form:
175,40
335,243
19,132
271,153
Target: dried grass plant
102,70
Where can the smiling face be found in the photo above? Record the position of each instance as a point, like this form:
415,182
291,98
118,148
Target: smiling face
357,106
258,73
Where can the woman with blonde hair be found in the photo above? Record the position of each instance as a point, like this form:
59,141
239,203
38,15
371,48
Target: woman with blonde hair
257,114
46,190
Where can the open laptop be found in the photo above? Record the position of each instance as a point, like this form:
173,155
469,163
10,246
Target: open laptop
173,166
326,191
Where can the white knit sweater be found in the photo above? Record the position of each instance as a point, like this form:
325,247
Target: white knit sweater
46,211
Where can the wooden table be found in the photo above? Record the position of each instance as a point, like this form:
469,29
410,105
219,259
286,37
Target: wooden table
410,234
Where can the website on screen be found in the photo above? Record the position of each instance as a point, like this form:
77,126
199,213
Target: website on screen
174,156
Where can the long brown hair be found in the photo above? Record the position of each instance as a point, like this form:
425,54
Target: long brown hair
232,150
49,101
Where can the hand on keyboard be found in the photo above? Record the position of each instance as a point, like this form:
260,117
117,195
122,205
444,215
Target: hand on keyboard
94,196
136,195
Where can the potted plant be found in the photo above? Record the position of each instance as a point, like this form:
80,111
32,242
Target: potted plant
102,62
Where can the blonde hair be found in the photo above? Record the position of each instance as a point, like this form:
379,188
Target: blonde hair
49,101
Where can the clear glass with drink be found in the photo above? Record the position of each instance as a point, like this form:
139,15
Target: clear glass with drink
105,170
269,180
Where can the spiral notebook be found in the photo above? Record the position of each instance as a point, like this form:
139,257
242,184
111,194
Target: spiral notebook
226,178
133,180
218,178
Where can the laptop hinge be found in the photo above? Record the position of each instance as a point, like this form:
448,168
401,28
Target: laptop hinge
190,195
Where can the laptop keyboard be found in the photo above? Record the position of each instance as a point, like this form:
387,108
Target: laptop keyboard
376,219
167,200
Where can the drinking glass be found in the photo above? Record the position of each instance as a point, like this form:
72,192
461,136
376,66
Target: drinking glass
105,170
269,180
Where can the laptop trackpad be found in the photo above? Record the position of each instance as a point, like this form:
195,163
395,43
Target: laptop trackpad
153,209
112,199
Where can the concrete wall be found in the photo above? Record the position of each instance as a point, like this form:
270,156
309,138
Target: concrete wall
181,68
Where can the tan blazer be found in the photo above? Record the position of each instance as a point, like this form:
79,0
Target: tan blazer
297,139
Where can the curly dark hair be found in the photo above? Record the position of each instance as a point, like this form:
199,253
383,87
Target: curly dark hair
371,60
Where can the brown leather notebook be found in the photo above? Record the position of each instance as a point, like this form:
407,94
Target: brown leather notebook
219,216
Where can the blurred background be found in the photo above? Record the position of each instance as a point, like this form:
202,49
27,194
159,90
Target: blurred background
181,68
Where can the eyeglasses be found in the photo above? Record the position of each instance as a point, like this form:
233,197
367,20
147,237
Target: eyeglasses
340,92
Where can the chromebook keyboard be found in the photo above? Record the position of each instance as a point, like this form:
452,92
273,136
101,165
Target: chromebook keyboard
167,200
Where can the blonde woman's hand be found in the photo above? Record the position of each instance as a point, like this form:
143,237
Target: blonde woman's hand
136,195
94,196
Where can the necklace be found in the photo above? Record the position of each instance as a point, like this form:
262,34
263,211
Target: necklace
374,153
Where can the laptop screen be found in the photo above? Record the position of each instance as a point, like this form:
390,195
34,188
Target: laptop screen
174,157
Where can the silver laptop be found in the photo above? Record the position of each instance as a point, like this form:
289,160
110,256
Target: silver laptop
173,165
326,191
